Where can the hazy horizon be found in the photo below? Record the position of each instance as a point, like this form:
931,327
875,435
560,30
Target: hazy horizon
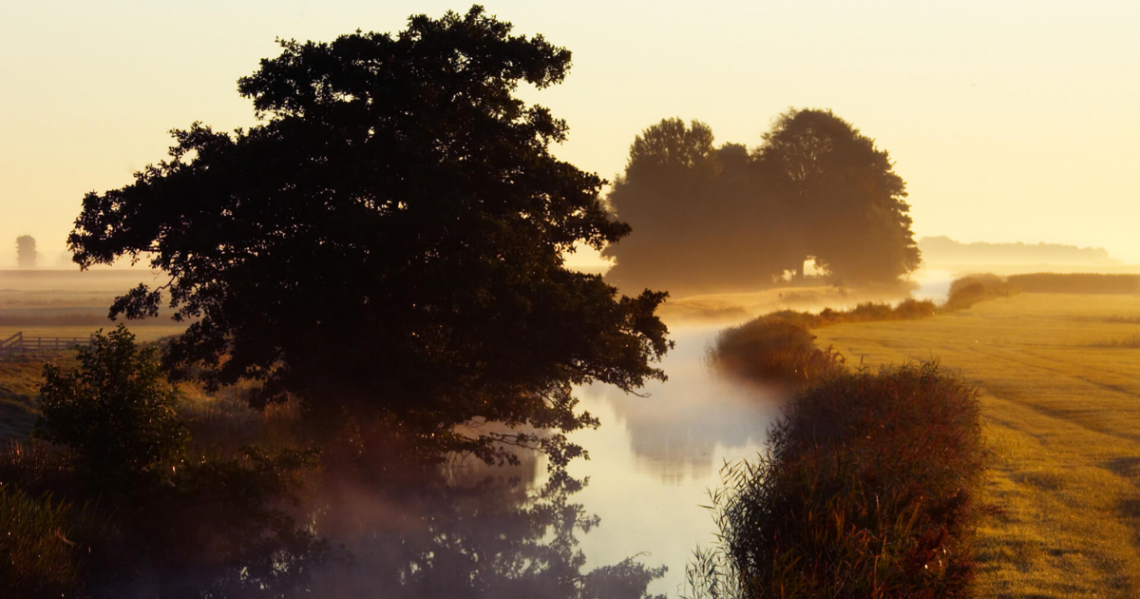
1009,122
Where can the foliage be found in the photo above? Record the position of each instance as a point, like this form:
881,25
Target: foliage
35,553
867,491
219,526
971,289
391,234
26,251
722,218
114,413
777,347
171,520
849,203
772,350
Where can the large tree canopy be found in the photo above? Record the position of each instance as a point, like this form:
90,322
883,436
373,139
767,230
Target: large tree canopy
392,233
848,202
710,218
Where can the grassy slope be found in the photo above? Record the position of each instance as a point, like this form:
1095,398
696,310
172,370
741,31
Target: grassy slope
1063,420
20,380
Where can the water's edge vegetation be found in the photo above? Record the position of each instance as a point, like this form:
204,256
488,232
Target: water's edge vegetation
869,487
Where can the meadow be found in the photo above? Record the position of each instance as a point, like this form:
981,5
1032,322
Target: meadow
1060,382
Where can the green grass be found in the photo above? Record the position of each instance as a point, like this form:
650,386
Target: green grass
20,380
1062,419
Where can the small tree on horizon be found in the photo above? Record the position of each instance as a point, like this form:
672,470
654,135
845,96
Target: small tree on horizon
26,251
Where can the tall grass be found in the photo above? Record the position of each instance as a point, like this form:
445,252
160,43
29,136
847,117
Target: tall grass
772,350
868,487
867,491
1130,342
35,553
777,347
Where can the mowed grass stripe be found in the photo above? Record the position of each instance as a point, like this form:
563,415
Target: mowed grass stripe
1063,420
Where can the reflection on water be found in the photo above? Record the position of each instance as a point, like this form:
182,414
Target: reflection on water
467,532
654,459
674,431
603,528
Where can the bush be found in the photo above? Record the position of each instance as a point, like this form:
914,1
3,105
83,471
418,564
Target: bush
971,289
772,350
912,309
777,347
114,414
179,524
218,525
867,491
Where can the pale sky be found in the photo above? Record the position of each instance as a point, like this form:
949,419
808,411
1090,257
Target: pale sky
1010,121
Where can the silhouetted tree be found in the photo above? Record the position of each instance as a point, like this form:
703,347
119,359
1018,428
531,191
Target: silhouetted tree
721,218
701,223
26,251
392,234
667,176
844,195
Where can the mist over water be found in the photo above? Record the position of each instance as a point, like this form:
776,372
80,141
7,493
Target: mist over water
482,531
656,458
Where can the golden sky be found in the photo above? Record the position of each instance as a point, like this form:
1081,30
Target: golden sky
1010,121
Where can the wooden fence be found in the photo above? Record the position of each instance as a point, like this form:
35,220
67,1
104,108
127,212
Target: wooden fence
19,344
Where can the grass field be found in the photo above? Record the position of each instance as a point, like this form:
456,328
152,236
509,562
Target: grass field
144,334
1060,385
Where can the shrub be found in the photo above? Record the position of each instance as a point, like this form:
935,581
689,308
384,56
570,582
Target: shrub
178,523
114,414
219,523
971,289
778,348
772,350
867,491
912,309
870,312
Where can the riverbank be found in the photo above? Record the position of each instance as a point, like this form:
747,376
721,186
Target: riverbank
1059,404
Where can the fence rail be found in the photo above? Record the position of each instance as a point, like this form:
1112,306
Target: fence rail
19,344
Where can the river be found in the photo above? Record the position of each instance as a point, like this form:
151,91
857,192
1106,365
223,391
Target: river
654,458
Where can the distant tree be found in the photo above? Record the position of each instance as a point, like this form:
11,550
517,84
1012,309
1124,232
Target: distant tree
722,218
670,146
392,234
699,219
844,195
26,251
667,175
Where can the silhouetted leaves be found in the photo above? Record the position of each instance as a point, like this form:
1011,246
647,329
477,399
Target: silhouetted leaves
392,234
723,218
